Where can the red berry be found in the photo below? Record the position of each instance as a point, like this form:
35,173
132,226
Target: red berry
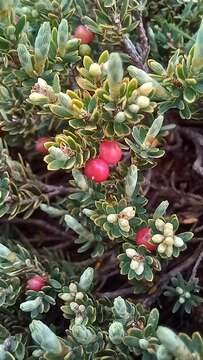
97,170
110,152
39,145
143,237
84,34
36,283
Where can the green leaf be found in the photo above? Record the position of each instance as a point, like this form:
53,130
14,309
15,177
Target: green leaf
155,127
161,209
189,95
197,60
20,25
131,181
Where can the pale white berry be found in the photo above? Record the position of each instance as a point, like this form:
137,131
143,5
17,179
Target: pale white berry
178,242
157,238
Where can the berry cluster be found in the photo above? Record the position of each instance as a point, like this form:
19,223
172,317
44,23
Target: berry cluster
97,169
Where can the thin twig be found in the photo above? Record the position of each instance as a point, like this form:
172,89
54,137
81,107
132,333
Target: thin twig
38,223
194,271
143,39
119,292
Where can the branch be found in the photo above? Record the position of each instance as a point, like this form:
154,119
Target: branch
194,271
143,39
38,223
132,51
164,280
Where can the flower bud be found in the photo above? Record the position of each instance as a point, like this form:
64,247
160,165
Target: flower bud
173,343
134,265
159,223
169,241
187,295
74,307
112,218
168,229
83,335
45,338
162,248
179,290
38,99
120,307
79,296
30,305
130,253
133,108
178,241
66,297
128,212
156,67
124,225
86,279
157,238
181,300
143,101
169,251
116,332
95,70
82,308
73,288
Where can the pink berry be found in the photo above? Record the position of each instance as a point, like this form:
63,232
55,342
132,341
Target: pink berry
84,34
39,145
110,152
36,283
97,170
143,237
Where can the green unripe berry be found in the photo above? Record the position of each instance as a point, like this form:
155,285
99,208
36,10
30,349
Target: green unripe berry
143,101
95,70
85,49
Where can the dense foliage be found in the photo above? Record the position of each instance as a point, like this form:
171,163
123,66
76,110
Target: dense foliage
83,121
